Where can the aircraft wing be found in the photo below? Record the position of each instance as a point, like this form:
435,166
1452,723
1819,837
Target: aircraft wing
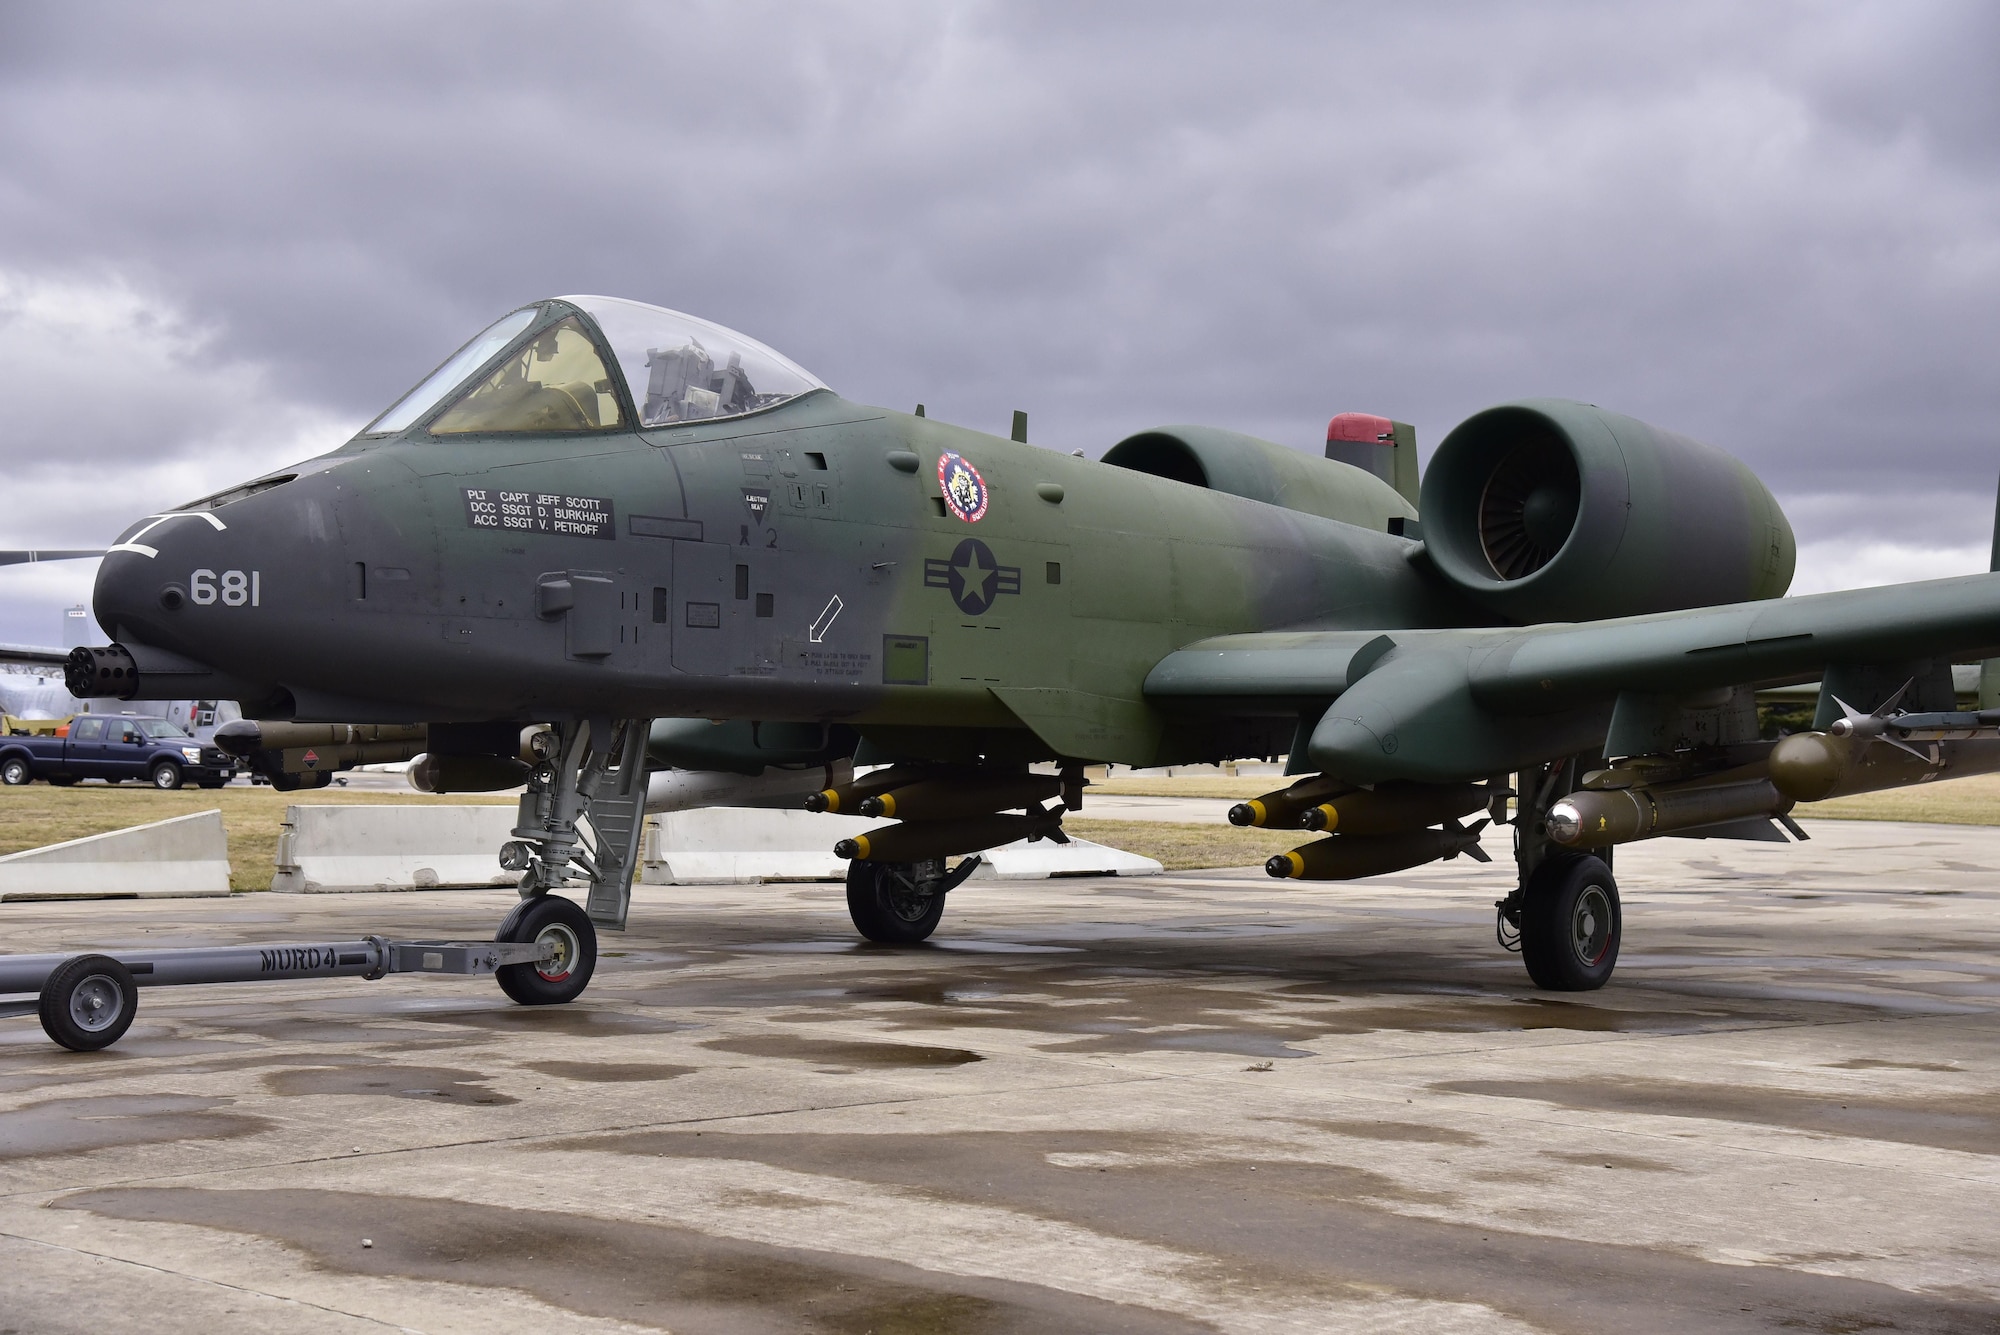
1467,703
21,557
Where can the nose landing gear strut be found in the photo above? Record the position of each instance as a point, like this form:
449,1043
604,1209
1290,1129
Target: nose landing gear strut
582,817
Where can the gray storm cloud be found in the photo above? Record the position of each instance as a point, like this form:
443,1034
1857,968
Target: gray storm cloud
1775,227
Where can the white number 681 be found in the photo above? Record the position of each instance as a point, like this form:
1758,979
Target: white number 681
235,588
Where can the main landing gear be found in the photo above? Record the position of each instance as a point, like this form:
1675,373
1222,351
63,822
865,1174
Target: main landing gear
900,903
1564,917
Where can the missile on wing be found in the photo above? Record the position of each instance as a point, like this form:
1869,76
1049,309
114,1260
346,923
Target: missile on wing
1349,857
1813,766
1596,819
1391,807
916,841
954,799
1280,810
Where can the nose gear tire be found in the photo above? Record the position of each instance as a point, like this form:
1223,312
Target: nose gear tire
895,903
1571,924
562,923
88,1002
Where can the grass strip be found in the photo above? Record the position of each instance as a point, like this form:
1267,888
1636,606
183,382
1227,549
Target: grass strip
1188,846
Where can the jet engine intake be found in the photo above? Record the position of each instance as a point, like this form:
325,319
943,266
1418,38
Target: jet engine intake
1551,510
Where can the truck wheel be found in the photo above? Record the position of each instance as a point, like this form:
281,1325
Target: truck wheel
88,1002
14,772
895,903
1571,924
555,921
166,776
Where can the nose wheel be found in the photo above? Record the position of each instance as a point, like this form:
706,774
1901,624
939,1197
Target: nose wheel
549,920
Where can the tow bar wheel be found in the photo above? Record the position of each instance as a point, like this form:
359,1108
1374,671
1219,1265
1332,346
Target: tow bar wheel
88,1002
562,924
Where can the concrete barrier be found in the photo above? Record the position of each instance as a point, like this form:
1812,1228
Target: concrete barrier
351,849
166,859
740,845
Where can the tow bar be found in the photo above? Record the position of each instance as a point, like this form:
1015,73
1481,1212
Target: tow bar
87,1002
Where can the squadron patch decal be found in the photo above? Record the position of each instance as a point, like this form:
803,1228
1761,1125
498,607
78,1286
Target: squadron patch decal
964,490
973,575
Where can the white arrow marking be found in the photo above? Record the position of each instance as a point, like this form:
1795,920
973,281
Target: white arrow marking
825,619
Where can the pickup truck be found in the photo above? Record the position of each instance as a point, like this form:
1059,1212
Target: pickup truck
115,747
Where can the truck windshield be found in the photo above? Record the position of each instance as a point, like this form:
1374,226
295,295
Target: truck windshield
159,727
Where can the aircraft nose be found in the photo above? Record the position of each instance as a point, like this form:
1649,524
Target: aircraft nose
143,579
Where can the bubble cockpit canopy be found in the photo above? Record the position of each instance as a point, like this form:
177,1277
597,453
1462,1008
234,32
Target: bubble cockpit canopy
541,369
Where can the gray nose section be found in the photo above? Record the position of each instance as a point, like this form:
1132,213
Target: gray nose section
127,585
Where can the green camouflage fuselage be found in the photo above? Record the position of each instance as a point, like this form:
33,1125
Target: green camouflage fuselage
798,564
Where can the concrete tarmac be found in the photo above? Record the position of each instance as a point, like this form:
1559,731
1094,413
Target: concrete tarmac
1200,1102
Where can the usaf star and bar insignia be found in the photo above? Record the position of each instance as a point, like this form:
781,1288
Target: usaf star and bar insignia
974,577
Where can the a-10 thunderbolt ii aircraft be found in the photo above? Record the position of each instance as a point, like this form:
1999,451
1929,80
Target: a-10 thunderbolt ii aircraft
677,547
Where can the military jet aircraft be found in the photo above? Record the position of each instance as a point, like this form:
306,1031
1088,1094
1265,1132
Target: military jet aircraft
677,547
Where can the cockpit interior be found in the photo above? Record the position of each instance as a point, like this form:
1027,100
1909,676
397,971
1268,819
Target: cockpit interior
557,366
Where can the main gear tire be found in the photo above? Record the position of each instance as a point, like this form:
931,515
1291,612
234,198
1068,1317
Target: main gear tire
88,1002
895,903
1571,924
561,923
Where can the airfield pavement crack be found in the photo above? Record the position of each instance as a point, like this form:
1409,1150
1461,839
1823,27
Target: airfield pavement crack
222,1284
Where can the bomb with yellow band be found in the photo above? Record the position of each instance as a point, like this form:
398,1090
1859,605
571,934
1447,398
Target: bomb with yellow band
1391,807
960,797
1349,857
847,797
1281,810
917,841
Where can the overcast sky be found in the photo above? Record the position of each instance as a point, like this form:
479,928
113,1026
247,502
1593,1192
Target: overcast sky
229,235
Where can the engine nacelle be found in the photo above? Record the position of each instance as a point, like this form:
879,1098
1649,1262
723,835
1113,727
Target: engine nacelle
1206,456
1551,510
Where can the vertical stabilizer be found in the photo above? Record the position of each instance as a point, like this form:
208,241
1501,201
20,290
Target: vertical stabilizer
1382,447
